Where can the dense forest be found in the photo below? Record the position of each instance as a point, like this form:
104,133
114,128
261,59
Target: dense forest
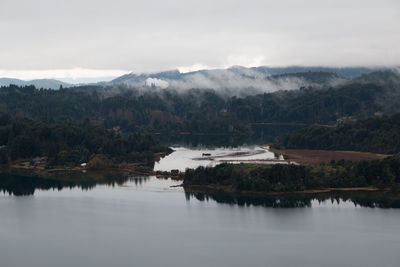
206,110
379,134
287,178
119,123
71,144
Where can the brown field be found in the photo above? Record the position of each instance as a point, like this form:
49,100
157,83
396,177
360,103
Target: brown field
308,156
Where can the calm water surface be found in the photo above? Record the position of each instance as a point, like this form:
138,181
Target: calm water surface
184,157
145,222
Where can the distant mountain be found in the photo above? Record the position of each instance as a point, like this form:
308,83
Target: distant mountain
387,77
39,83
219,111
255,79
140,80
264,79
345,72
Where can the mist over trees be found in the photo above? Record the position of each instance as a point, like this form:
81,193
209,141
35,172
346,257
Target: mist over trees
205,110
242,81
118,123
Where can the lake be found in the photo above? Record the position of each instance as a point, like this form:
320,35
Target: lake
184,157
143,221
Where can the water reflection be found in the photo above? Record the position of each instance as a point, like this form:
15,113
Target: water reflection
139,180
24,186
362,199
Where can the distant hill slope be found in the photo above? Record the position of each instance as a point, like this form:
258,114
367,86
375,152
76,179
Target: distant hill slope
307,105
378,134
387,77
345,72
39,83
212,111
263,79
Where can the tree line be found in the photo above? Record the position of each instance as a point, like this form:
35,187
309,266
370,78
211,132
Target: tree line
288,178
377,134
170,111
71,143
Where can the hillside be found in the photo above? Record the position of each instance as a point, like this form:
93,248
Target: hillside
71,144
38,83
378,134
208,111
197,78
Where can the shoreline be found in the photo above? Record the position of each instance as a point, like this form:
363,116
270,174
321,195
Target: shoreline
61,174
23,167
206,189
137,169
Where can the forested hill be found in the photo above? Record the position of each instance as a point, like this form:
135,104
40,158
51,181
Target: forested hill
39,83
378,134
72,144
201,78
206,110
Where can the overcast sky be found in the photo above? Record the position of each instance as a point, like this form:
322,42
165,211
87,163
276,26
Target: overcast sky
99,38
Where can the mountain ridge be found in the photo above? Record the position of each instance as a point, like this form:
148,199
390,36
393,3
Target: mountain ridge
206,78
38,83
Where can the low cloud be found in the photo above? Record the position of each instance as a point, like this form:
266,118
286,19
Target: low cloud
233,81
156,83
244,82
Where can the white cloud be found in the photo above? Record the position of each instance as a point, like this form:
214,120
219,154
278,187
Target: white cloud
194,67
156,82
245,61
230,61
112,35
234,60
237,82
